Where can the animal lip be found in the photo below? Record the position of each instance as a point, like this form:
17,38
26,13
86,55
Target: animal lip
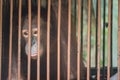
33,55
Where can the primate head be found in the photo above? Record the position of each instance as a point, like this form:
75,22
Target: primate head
34,36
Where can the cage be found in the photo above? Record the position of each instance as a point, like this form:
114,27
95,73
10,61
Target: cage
59,39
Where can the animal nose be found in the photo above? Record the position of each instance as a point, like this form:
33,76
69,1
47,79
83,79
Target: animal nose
33,41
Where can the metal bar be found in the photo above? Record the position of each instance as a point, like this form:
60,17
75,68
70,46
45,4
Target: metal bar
58,38
19,39
81,32
104,14
10,40
38,39
29,40
69,39
79,42
109,38
99,40
111,58
89,41
48,40
0,37
96,34
118,39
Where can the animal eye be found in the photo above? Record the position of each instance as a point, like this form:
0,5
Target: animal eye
25,33
35,32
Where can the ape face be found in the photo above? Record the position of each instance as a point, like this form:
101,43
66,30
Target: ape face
34,36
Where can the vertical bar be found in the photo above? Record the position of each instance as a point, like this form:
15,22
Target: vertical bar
69,39
79,42
89,43
10,40
118,39
29,40
0,37
111,50
109,37
96,34
38,39
48,40
81,47
99,40
19,38
104,13
58,38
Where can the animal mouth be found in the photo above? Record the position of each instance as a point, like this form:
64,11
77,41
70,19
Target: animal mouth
34,54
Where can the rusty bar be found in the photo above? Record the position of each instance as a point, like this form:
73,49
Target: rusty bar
19,38
29,40
118,39
58,38
79,42
48,40
0,37
69,39
38,39
109,37
10,40
99,40
88,41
